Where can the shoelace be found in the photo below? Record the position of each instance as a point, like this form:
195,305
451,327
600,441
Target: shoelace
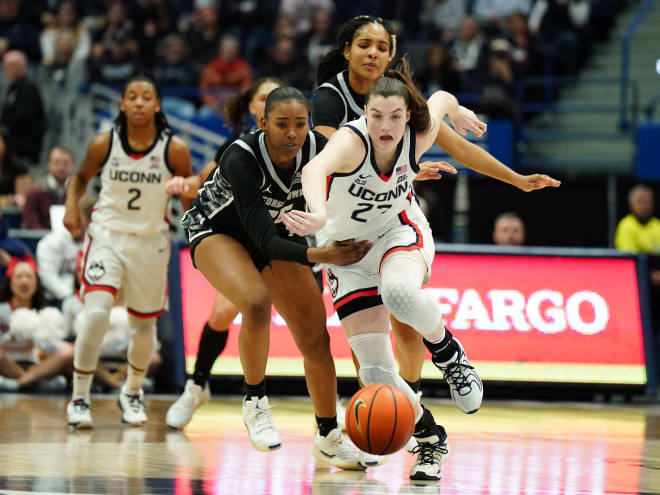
80,406
263,420
134,402
456,375
428,451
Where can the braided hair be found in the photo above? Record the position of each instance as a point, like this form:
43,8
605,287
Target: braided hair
162,125
334,61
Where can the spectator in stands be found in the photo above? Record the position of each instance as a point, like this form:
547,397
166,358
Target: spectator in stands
438,71
50,191
509,230
17,33
227,72
203,34
178,76
561,25
154,20
302,11
467,49
64,73
23,120
31,334
114,20
10,247
117,62
321,38
499,87
57,253
639,231
443,18
65,18
495,12
14,177
290,66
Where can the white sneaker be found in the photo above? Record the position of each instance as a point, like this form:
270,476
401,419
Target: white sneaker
132,407
79,414
259,422
181,412
410,446
338,451
465,386
341,415
430,456
8,384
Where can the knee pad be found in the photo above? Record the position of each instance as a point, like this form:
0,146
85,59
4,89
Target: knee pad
402,297
371,375
374,353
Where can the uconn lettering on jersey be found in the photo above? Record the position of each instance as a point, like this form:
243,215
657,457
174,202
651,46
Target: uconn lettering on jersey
134,176
362,192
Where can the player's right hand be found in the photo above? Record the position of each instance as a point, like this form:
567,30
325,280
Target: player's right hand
185,187
346,252
72,222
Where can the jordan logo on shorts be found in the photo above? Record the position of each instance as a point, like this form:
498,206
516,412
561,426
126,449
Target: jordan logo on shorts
95,270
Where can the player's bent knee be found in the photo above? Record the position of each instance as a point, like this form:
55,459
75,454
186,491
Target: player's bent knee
402,298
315,347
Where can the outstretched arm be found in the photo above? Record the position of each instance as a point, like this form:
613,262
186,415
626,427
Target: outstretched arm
479,160
343,153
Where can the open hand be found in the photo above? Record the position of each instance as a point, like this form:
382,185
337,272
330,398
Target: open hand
303,223
431,170
344,253
537,181
466,120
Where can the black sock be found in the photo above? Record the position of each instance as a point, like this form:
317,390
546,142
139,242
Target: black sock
444,350
414,385
211,344
426,426
326,425
258,390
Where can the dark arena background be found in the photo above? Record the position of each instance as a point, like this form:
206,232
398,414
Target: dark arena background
559,311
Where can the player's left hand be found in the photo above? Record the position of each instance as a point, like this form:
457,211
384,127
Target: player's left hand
536,181
432,170
303,223
466,120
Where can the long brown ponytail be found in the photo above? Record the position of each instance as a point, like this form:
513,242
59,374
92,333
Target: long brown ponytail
398,82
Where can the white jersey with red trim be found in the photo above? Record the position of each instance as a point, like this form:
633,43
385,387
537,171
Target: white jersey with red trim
133,198
362,204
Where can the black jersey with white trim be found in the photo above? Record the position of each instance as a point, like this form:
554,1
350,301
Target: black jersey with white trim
247,189
335,102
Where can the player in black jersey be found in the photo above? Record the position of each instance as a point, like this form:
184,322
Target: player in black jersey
238,242
249,103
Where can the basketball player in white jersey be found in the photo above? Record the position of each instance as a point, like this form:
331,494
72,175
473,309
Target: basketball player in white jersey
359,187
127,246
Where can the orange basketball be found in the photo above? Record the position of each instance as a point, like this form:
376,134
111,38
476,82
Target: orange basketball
379,419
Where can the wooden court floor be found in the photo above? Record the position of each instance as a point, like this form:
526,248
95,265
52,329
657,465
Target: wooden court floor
506,448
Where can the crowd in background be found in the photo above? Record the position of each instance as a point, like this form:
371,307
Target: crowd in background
203,51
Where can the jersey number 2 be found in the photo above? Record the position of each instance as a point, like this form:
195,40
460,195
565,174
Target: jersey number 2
136,195
366,207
